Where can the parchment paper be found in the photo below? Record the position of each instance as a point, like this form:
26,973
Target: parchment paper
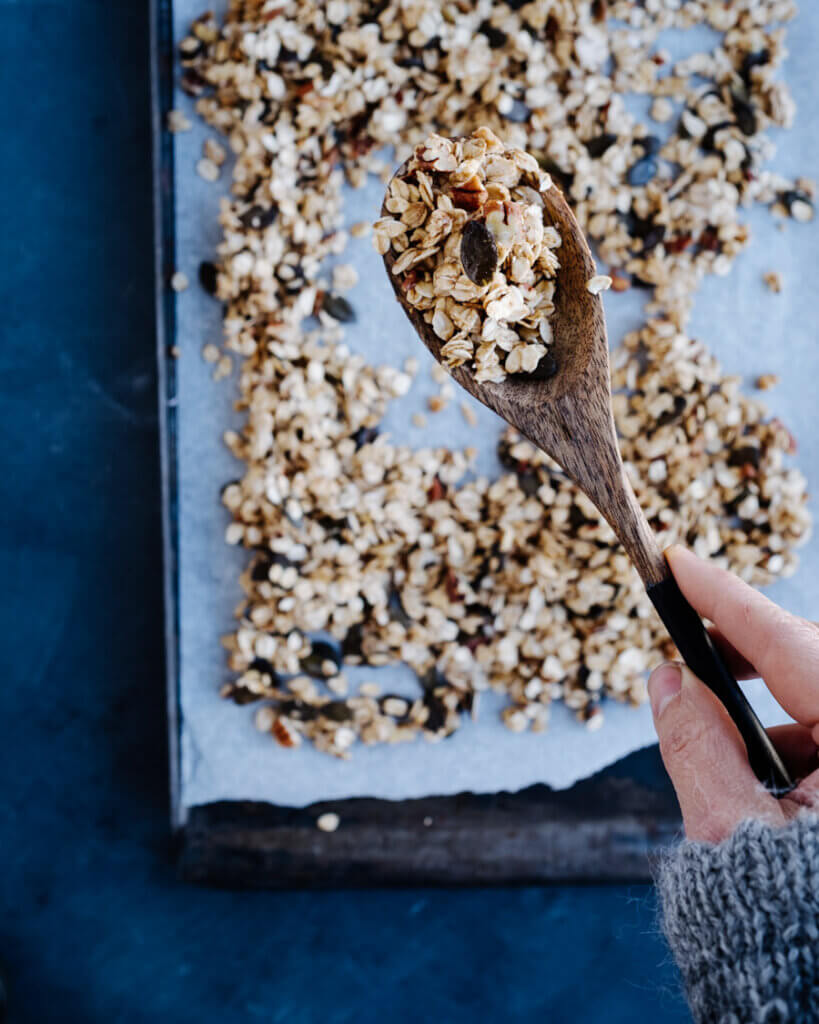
750,329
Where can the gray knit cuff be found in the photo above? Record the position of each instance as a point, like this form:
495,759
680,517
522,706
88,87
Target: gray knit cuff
742,920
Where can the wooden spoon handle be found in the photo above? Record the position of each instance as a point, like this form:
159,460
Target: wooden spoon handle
693,640
694,643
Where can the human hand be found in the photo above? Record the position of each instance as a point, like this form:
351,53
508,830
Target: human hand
701,747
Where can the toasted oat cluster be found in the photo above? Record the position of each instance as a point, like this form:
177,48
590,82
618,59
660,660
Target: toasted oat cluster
363,550
474,252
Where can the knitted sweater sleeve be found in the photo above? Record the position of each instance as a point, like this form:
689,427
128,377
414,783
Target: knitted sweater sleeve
742,920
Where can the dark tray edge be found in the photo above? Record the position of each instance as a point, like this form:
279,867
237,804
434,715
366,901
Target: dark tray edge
604,829
164,262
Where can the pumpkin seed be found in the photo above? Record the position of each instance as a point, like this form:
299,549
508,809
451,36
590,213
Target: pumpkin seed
479,253
642,172
338,308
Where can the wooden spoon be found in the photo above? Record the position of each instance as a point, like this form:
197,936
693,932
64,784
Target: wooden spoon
570,418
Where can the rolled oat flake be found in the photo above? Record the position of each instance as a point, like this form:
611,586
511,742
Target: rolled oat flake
479,253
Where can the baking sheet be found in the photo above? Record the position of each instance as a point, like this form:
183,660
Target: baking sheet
750,329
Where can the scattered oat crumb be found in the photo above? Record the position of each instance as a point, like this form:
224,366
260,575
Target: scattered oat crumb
662,110
436,403
801,209
210,353
598,283
214,151
411,366
419,419
207,169
179,281
265,718
427,821
766,381
438,373
345,277
594,720
338,685
328,822
370,690
175,351
468,414
178,122
224,368
361,229
773,279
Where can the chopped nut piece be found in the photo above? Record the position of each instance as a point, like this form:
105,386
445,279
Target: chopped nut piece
285,734
620,281
766,381
436,403
773,279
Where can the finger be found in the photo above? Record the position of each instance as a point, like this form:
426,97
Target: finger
705,757
782,647
741,667
797,748
800,753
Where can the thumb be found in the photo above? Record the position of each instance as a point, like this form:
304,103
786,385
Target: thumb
705,757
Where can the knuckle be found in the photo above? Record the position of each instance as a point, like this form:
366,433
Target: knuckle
791,640
690,738
808,633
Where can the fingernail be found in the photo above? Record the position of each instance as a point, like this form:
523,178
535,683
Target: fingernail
664,685
674,551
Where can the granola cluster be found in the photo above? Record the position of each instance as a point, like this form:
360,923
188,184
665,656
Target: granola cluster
361,550
474,252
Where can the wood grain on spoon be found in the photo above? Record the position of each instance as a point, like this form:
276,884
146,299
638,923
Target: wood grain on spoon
568,416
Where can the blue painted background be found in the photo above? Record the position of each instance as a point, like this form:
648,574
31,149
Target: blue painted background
93,924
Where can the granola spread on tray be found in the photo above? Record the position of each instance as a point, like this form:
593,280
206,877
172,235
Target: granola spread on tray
475,253
364,550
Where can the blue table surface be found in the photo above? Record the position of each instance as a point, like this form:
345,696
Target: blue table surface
94,925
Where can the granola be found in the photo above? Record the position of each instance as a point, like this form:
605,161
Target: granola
362,550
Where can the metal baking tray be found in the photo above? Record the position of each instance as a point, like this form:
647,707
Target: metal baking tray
603,828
